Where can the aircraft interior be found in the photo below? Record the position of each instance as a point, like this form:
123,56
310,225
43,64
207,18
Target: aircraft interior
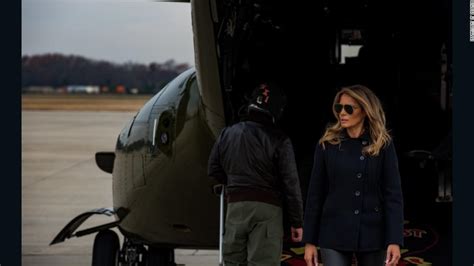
400,50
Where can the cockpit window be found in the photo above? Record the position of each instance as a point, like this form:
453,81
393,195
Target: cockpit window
174,88
144,112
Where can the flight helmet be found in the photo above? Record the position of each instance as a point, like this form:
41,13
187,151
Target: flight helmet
268,98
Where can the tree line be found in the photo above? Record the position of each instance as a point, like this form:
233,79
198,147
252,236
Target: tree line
58,70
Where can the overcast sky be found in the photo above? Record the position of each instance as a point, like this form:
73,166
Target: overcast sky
119,31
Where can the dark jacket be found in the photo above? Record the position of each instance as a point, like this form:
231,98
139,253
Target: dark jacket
354,202
257,163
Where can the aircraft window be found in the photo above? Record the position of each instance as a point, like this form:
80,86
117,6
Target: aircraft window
193,104
348,52
349,44
144,112
175,87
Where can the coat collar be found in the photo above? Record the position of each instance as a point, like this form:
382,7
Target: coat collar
364,137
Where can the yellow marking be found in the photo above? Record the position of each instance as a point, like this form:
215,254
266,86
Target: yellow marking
298,251
285,257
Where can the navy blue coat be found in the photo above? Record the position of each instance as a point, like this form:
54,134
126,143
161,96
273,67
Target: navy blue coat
354,202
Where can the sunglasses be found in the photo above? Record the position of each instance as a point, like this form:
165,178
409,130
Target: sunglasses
347,107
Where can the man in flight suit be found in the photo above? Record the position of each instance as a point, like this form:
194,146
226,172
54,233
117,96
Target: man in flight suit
255,160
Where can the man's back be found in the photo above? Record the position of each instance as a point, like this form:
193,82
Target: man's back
248,153
256,162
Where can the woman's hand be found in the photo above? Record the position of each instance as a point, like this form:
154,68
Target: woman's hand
393,255
311,255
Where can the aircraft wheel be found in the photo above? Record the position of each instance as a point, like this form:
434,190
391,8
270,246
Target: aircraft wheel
160,257
106,249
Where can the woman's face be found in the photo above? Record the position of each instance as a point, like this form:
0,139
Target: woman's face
348,120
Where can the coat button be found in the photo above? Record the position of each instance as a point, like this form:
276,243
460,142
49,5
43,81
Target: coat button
356,212
376,209
362,158
359,175
357,193
364,142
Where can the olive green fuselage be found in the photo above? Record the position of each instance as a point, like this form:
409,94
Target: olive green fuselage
160,173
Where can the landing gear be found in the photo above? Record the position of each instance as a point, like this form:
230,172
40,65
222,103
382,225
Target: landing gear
106,249
107,252
133,254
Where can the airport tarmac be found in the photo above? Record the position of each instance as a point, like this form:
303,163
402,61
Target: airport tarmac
61,180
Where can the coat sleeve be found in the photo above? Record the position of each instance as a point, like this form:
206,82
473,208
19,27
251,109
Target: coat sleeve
215,170
393,197
315,198
291,184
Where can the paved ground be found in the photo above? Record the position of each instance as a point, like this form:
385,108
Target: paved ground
60,180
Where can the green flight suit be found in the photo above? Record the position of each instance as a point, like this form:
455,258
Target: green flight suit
253,234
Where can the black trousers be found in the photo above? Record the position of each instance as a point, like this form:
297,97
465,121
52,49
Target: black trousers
331,257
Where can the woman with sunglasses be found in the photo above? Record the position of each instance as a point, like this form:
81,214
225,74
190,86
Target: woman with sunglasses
354,205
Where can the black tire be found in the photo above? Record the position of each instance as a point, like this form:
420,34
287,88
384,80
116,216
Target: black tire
160,257
106,248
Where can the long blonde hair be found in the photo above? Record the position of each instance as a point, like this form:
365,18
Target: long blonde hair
375,120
